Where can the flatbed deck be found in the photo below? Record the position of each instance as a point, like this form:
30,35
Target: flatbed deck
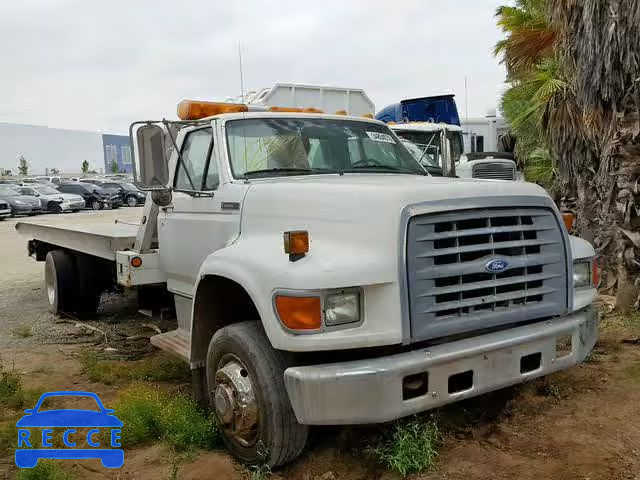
98,239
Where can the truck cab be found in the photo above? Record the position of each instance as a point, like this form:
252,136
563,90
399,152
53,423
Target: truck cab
312,258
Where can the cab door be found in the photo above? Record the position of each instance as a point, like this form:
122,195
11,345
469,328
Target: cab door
205,212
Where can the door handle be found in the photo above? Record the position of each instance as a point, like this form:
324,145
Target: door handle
168,208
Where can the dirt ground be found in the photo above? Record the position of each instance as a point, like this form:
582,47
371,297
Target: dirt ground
580,424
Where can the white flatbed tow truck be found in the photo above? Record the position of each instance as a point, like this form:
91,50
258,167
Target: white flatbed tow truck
312,259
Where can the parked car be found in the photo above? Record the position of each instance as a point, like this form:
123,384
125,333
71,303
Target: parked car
5,210
99,182
95,197
52,200
55,180
130,194
46,183
20,204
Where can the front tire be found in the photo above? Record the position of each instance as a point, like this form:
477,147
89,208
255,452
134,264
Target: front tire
96,204
245,384
132,201
55,208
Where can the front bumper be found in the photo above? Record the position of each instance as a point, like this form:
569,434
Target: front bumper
72,205
371,390
5,212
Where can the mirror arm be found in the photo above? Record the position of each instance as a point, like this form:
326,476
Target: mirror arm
165,122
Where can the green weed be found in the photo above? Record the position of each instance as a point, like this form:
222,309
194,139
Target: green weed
112,372
13,395
548,389
8,438
22,331
409,446
150,414
45,470
634,372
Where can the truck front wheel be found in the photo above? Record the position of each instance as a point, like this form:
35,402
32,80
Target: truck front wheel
246,391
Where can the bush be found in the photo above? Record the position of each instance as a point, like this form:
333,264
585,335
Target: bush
409,446
149,414
45,470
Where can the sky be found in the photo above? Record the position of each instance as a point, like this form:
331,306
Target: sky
98,66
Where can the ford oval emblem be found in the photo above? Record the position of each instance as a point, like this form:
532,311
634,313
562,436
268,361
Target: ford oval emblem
496,265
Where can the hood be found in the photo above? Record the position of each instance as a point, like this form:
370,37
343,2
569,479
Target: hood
360,215
388,192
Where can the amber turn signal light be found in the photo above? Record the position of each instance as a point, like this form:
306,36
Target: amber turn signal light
299,313
136,262
569,219
296,244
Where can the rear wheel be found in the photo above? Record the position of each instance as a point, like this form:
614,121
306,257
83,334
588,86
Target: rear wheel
74,283
60,281
90,285
132,201
245,383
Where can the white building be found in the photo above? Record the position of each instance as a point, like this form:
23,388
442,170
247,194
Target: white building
46,148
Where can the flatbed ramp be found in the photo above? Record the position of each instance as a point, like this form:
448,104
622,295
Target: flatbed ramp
99,239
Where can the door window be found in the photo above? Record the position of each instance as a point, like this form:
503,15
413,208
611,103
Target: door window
192,171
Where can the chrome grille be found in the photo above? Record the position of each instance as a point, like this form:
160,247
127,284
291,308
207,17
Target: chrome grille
450,289
495,170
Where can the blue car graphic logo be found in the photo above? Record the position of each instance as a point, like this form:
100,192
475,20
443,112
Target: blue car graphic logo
496,265
68,419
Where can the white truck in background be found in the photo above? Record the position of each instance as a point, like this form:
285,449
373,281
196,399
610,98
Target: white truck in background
321,277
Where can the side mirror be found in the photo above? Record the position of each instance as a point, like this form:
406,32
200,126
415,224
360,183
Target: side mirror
448,163
151,169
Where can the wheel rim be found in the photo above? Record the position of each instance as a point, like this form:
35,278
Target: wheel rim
235,403
95,205
132,202
50,284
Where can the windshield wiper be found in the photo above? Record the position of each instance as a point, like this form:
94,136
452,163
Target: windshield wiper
277,170
386,168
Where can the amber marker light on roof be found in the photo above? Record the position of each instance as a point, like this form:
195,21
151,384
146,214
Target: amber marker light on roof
195,110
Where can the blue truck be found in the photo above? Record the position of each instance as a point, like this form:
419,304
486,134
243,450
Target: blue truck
435,109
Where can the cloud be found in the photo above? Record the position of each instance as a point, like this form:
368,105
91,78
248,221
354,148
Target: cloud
100,65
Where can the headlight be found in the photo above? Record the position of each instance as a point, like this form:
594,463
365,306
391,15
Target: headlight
332,308
582,273
340,308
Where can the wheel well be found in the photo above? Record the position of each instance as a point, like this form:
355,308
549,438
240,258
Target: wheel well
219,302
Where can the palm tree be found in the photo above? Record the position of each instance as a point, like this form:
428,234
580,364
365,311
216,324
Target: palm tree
594,131
574,68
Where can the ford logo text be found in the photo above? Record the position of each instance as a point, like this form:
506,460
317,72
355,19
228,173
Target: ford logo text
496,266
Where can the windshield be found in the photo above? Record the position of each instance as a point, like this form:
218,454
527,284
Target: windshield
129,186
8,191
89,186
430,145
46,190
315,145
